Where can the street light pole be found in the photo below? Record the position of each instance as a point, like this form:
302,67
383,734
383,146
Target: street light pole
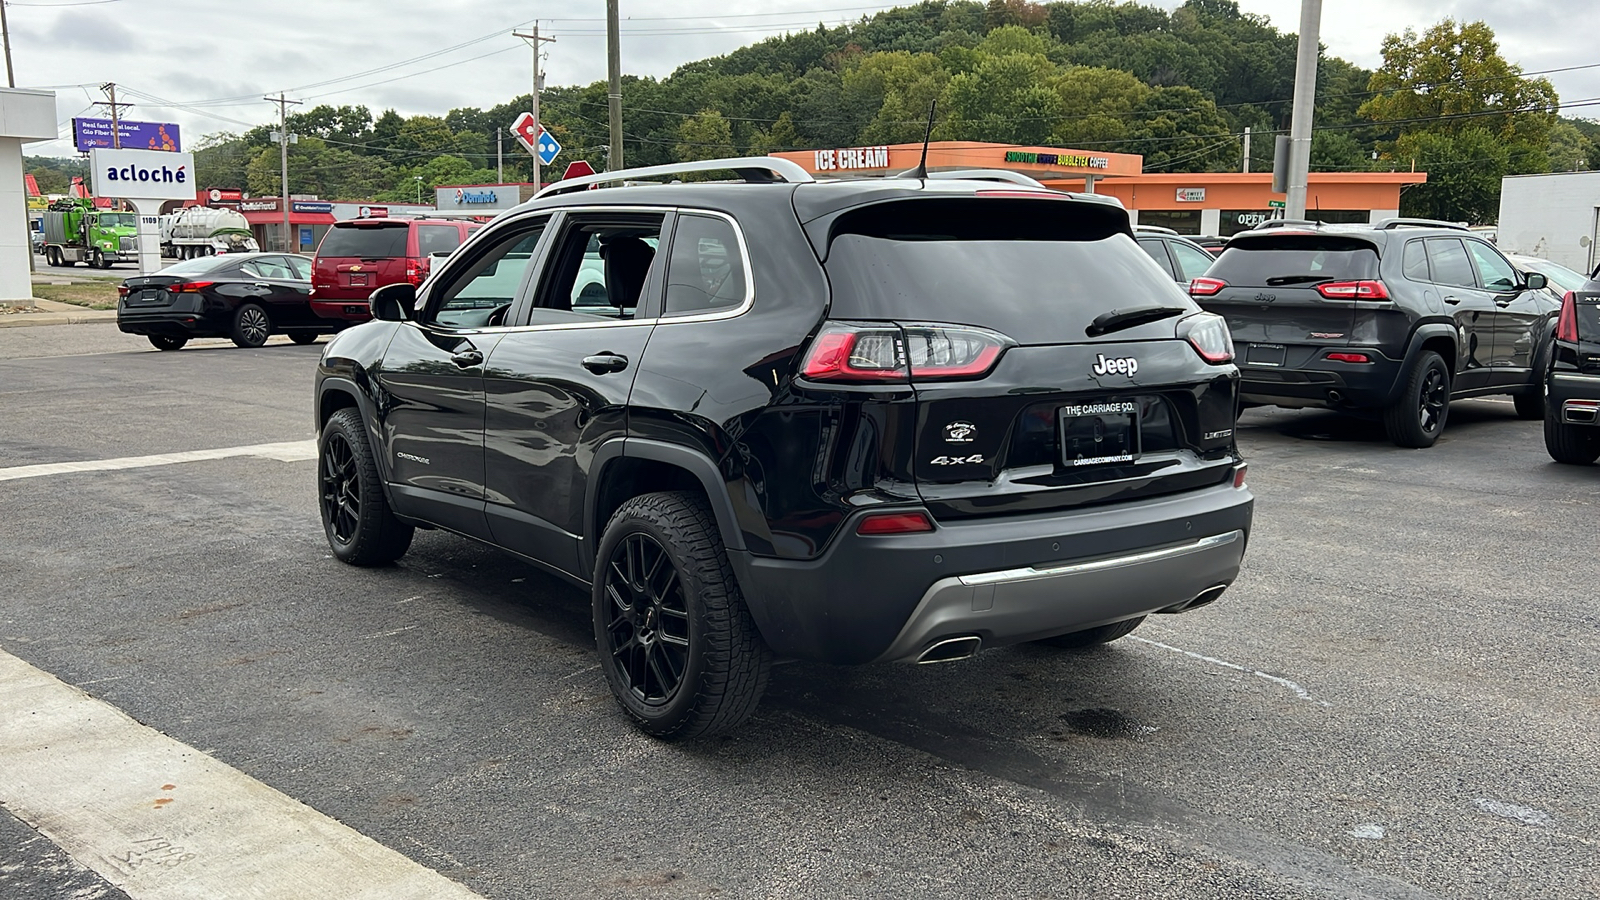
1305,96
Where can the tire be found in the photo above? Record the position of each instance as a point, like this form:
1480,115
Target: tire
677,644
356,518
98,260
251,326
1530,407
167,341
52,256
303,337
1094,637
1417,418
1575,445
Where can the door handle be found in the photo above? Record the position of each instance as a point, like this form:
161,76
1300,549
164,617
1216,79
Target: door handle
1452,300
467,358
263,285
605,362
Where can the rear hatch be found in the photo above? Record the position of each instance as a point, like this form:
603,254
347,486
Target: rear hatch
160,291
1579,328
356,258
1287,296
1049,357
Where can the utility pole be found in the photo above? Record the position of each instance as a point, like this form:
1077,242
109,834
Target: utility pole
499,157
110,88
1247,149
1305,96
283,145
535,41
614,93
5,33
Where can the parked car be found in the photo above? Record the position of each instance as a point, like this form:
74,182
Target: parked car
359,256
841,421
1210,244
1178,256
1558,278
1394,319
1572,383
244,296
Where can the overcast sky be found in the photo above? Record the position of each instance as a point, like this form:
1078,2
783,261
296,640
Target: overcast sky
207,63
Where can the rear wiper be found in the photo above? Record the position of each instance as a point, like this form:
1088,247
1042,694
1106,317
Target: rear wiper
1281,280
1118,319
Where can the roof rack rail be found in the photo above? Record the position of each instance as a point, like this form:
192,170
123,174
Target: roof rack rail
1155,229
978,175
1392,224
1287,223
753,169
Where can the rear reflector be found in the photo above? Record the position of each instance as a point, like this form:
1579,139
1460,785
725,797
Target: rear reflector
1206,287
1353,290
895,523
1238,474
1349,357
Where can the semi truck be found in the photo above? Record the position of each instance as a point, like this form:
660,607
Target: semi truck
75,231
205,231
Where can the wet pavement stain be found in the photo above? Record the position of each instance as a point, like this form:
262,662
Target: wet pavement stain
1103,723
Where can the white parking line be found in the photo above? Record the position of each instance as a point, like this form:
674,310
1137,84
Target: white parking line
1299,691
163,821
288,451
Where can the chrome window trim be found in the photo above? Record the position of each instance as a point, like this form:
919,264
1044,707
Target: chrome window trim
733,312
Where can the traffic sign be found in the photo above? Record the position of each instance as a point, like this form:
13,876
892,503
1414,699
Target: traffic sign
1277,204
546,145
577,169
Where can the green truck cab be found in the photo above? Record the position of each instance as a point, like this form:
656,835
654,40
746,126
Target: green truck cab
76,231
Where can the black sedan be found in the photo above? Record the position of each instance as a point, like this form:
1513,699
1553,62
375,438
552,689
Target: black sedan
244,296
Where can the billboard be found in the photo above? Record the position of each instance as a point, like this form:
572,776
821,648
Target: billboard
142,174
93,134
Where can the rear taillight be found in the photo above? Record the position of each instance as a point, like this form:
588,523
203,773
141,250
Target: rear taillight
891,353
122,290
1238,474
1206,287
416,271
1353,290
1209,336
190,287
1567,324
895,523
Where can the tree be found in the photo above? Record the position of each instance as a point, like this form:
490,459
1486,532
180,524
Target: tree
706,135
1464,169
1178,129
1007,98
1570,149
781,136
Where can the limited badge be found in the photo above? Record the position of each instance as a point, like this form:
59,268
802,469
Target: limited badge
960,433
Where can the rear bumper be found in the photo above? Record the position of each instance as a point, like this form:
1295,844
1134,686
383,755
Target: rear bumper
1004,580
354,310
1573,399
1324,382
175,323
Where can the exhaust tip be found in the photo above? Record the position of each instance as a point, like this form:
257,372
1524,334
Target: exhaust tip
951,649
1335,397
1208,595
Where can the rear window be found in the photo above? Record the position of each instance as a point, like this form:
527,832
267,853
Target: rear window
366,241
433,239
1288,260
197,265
1038,271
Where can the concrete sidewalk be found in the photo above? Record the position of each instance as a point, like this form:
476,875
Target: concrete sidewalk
51,312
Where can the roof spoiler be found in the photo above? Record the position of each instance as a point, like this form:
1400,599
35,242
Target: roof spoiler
749,169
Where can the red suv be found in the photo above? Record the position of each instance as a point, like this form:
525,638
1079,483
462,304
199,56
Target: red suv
360,256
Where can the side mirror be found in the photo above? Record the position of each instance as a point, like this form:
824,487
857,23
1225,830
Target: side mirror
394,302
1536,281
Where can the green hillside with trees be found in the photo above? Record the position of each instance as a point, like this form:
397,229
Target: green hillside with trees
1177,87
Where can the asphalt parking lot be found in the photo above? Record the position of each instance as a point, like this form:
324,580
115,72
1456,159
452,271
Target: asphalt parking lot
1399,698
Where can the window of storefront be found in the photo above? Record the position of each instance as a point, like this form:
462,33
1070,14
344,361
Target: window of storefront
1183,221
1237,220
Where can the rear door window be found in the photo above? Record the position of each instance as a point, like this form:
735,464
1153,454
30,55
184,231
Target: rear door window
433,239
706,270
387,241
301,266
1449,262
1297,260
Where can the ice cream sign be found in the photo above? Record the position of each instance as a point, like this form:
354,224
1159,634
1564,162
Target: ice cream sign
852,158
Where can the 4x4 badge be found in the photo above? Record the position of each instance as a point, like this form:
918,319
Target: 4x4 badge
959,432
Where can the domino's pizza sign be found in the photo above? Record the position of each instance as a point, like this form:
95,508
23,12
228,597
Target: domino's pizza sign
142,174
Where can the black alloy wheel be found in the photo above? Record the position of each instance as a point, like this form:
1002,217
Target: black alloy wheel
251,327
168,341
1418,416
361,528
649,628
677,644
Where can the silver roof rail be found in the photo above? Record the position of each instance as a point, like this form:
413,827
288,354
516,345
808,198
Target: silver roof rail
979,175
1392,224
753,169
1287,223
1155,229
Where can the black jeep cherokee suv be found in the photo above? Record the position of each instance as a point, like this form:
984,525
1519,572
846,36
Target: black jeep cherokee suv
1398,318
889,419
1572,384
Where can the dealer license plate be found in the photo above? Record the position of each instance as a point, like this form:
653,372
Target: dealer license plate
1264,355
1098,433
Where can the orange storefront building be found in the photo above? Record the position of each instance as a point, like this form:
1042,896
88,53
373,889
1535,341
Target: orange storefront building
1190,203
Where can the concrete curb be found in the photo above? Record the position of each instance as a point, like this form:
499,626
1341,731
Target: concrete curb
87,317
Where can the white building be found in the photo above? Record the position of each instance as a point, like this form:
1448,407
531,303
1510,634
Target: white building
1556,217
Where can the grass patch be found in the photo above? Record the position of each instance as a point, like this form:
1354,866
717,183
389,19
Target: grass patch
93,294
